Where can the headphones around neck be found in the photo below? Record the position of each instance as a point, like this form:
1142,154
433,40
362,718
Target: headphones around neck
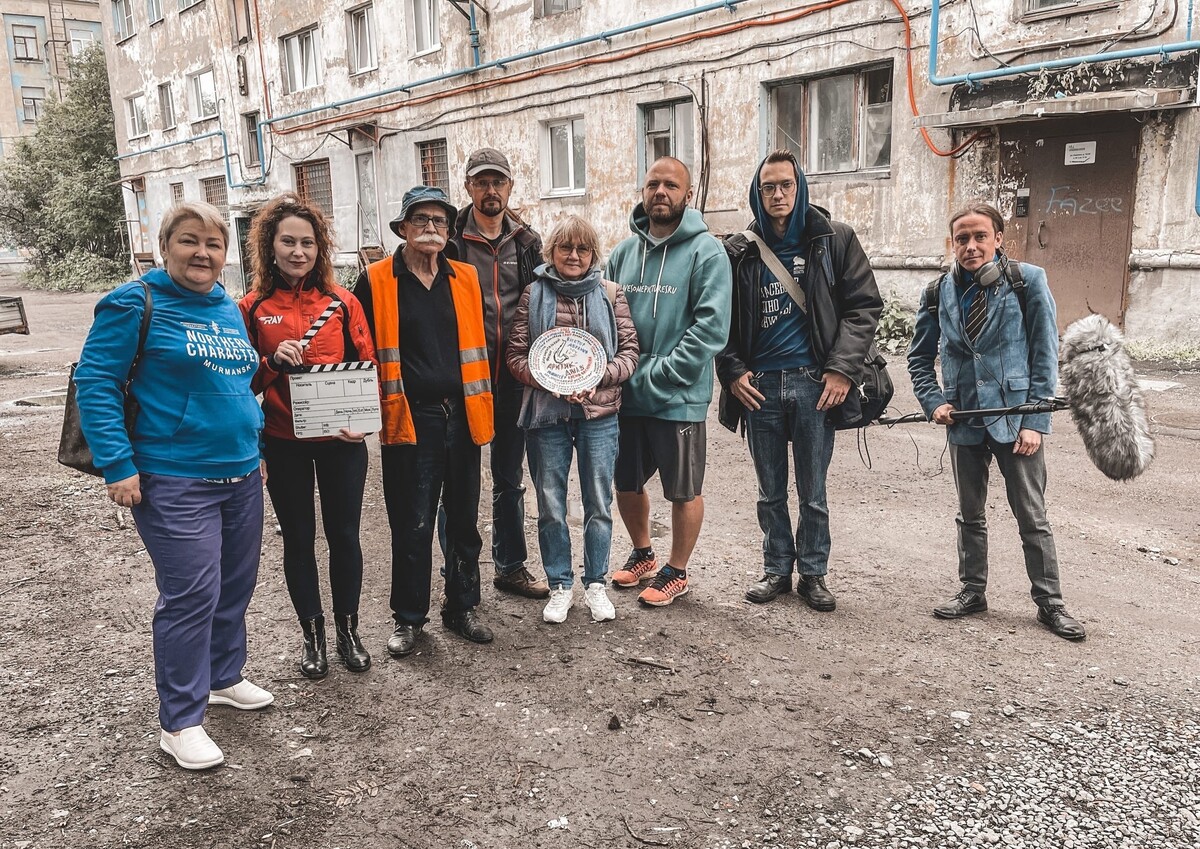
989,274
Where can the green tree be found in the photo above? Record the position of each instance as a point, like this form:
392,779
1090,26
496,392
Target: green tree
60,194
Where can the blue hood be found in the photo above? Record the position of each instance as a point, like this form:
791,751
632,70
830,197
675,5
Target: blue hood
794,238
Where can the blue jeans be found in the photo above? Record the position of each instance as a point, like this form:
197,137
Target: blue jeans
789,414
204,540
595,446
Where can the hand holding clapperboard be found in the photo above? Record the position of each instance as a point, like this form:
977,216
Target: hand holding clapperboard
327,398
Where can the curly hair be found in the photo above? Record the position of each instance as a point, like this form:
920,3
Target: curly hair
261,240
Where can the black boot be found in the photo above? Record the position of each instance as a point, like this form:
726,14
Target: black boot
312,662
349,647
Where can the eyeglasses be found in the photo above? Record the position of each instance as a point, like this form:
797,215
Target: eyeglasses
421,221
567,250
769,189
490,185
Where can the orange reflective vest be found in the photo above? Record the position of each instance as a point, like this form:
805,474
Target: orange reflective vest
472,354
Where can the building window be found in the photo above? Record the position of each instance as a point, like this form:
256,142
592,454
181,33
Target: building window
154,12
836,124
177,193
81,40
301,65
564,157
667,131
203,88
1038,5
122,12
216,192
135,109
187,4
543,8
241,21
425,25
250,121
32,100
435,170
166,106
312,183
361,30
25,42
368,199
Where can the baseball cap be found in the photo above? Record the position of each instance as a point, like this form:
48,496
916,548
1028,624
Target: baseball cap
418,195
488,159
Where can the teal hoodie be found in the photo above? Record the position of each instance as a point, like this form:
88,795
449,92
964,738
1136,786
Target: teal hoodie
679,296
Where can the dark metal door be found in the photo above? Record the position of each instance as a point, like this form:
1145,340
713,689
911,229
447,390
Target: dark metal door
1073,182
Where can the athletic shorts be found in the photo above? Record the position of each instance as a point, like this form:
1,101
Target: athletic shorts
673,449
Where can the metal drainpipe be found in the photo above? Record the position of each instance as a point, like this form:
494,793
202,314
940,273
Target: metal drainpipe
473,34
972,79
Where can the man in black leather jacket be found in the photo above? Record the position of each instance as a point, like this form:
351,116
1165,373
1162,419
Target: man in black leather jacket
795,355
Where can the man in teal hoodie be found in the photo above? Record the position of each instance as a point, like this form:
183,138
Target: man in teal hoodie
678,284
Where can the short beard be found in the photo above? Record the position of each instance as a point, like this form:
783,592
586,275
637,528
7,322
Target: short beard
479,208
673,217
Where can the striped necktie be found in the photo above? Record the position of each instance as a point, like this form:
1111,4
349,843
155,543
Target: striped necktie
977,314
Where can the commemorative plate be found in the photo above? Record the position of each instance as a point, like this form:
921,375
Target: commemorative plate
566,360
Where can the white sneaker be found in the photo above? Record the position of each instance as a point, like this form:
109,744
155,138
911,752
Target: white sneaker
191,748
558,605
597,601
243,695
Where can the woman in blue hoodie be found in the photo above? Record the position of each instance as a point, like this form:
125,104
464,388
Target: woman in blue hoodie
187,466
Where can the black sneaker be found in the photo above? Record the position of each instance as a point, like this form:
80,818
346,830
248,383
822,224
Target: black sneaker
1055,617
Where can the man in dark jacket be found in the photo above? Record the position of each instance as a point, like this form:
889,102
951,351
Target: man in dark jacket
796,351
504,251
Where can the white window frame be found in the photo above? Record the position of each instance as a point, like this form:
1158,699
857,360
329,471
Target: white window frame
154,11
135,113
196,93
187,4
300,52
122,12
803,137
680,134
31,105
166,106
81,40
433,149
576,136
361,17
427,38
26,40
176,193
549,8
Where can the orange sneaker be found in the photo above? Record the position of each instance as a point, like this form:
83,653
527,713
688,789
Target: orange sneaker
635,570
668,585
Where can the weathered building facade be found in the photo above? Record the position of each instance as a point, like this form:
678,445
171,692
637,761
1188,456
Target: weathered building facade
1094,163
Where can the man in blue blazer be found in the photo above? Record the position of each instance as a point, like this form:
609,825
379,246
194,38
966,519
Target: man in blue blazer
995,327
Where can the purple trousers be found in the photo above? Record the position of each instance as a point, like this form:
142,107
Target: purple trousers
204,539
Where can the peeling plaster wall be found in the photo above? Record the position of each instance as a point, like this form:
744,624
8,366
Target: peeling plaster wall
899,214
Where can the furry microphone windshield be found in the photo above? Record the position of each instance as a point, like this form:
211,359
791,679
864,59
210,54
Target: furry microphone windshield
1105,399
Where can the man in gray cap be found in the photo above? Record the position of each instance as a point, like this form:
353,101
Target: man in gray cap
426,317
504,251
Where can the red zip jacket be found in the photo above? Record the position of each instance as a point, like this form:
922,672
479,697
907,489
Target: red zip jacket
288,314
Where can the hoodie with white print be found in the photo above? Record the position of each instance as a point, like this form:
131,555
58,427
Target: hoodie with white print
679,293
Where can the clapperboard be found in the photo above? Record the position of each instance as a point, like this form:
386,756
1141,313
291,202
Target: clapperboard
327,398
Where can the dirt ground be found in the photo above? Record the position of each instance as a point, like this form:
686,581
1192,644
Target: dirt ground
710,723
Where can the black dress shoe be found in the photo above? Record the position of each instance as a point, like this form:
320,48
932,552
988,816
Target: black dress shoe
350,649
403,640
313,663
768,587
963,604
466,623
814,592
1056,618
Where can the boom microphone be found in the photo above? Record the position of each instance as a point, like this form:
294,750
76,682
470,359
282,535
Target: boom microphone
1102,393
1106,402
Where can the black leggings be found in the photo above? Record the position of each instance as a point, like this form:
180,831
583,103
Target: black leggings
341,474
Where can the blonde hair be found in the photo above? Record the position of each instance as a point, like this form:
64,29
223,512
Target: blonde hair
191,211
573,230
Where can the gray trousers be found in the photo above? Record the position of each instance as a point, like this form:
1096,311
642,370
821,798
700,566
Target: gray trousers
1025,483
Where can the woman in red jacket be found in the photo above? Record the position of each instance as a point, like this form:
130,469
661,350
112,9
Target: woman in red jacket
290,250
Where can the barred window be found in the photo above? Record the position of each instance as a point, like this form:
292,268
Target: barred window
313,183
216,192
434,170
177,193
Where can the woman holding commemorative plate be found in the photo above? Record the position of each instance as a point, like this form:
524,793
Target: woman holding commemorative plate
573,344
